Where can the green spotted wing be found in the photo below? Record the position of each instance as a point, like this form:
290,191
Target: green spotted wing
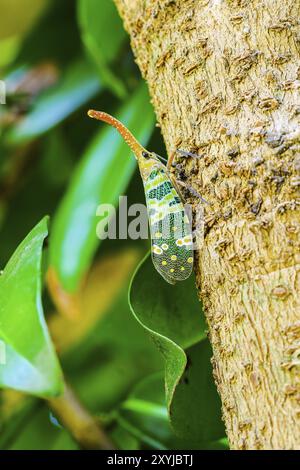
170,229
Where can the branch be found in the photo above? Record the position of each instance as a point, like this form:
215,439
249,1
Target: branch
79,422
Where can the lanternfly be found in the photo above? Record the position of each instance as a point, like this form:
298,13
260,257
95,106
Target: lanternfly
170,229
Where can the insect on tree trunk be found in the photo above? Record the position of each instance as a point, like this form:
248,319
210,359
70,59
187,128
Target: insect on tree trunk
224,78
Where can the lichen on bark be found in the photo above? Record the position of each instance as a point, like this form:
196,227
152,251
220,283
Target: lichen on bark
224,78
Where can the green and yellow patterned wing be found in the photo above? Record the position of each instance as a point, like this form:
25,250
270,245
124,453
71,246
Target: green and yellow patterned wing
170,230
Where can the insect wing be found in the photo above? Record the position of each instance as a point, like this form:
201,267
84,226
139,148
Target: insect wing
170,230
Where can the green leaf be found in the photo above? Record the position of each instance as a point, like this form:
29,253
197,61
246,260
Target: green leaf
30,364
195,409
123,439
8,50
97,23
78,85
173,317
144,415
101,177
44,40
116,354
38,433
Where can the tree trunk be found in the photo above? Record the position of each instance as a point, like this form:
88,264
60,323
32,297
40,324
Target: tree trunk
224,78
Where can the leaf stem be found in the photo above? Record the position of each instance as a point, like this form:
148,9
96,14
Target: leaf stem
80,423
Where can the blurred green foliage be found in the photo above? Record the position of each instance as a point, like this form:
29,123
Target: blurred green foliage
31,365
141,367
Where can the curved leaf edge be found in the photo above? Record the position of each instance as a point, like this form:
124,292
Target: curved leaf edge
180,352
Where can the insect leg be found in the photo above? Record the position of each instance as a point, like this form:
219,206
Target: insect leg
171,160
176,182
161,158
192,191
183,153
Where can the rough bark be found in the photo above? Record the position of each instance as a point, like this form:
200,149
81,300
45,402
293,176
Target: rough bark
224,80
